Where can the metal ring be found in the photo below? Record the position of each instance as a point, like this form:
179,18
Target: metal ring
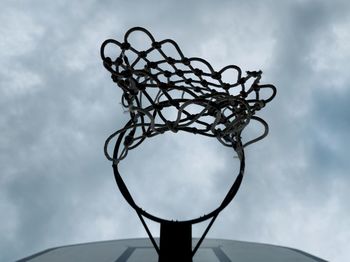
126,194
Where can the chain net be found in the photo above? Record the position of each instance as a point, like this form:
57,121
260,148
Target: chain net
170,92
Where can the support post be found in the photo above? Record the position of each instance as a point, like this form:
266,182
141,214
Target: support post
175,242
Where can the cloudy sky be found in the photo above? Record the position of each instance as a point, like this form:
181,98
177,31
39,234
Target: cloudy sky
58,105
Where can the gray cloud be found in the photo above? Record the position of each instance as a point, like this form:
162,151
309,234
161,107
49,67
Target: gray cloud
58,105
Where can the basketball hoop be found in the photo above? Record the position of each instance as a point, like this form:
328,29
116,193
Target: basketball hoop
201,101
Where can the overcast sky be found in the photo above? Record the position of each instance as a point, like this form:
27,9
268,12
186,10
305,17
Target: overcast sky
58,105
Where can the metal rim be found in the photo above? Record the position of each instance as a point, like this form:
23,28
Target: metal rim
128,197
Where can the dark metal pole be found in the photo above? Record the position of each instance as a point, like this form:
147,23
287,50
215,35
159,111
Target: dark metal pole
175,242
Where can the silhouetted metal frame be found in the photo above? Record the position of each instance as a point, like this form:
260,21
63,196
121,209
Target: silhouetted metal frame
206,90
212,215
